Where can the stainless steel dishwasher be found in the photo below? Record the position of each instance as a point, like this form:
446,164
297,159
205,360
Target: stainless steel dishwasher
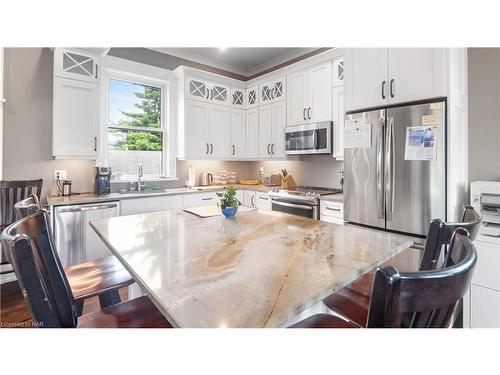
76,241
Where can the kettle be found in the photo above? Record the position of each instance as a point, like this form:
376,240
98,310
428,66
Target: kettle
206,178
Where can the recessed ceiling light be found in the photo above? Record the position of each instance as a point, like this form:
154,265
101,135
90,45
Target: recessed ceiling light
222,49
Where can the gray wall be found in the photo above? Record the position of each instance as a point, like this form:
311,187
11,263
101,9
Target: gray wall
28,122
484,114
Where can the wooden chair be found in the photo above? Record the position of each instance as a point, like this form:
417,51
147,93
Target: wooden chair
46,288
353,300
10,193
102,277
422,299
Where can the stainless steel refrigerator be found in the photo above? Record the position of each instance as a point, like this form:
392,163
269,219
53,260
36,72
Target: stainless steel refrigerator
395,167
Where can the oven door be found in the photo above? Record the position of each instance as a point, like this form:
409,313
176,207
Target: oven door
309,139
295,208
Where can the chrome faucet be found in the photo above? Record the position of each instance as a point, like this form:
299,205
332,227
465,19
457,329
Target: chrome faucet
140,184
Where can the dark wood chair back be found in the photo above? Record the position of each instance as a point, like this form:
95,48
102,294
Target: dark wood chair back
428,298
12,192
39,271
26,206
440,235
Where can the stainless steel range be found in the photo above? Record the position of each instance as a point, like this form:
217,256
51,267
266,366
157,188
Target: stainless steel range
303,201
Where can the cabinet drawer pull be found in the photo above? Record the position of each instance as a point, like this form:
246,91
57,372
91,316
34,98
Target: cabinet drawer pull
264,198
391,89
333,209
304,114
207,199
211,148
383,89
207,149
268,152
234,150
252,200
272,149
95,143
309,113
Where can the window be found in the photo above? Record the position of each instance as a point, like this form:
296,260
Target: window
136,129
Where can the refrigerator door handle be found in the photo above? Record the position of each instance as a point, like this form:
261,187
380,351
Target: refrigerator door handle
389,168
379,170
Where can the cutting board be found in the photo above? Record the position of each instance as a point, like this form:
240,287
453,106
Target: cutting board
213,210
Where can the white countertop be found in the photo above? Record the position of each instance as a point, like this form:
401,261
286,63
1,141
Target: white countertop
256,270
91,197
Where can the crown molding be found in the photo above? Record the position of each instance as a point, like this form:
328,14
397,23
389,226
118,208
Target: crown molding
180,53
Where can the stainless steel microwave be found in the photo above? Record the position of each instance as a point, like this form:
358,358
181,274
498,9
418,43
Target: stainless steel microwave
309,139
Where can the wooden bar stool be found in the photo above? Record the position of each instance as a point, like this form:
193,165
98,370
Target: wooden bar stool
102,277
47,290
424,299
353,300
10,193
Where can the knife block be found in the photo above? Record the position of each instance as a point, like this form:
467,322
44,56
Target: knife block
288,182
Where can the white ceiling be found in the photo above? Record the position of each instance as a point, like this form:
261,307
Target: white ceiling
244,61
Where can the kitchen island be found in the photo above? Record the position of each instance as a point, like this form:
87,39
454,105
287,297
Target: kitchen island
258,269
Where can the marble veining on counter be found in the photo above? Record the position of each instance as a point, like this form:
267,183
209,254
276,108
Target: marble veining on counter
256,270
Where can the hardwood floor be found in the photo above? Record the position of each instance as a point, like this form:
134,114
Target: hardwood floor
14,312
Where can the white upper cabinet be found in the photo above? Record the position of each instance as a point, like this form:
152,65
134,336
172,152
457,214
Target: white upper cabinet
309,97
75,119
196,119
252,136
416,74
320,93
272,122
196,89
338,72
76,64
279,123
338,122
205,91
375,77
219,133
238,133
272,91
208,130
366,80
297,97
265,131
252,94
219,94
238,98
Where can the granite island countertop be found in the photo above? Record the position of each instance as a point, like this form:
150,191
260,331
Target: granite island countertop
256,270
92,198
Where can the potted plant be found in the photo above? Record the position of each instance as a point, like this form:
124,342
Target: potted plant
228,202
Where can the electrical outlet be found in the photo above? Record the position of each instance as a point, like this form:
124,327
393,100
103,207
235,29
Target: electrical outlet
60,174
261,170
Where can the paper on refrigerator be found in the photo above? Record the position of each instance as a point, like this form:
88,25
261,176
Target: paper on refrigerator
357,133
421,143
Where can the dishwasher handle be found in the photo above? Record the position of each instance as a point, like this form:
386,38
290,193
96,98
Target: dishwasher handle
88,208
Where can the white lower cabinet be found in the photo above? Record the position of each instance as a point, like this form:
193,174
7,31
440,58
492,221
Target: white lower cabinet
150,204
200,199
332,212
485,287
485,307
263,201
249,198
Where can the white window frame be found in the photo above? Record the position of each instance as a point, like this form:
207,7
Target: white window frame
124,70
